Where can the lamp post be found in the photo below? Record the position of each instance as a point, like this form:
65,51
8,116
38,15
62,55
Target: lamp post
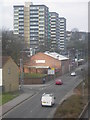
83,82
21,73
76,58
21,69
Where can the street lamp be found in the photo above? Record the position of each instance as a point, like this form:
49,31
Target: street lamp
21,73
21,69
76,57
83,83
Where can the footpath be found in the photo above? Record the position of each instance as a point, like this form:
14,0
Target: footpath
25,95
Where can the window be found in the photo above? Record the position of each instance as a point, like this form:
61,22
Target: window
9,70
34,8
41,8
20,16
41,23
21,19
31,16
33,24
31,11
21,8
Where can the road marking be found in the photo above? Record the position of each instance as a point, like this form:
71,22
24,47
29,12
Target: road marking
15,107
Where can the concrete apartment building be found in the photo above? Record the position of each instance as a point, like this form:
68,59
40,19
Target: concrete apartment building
31,21
54,29
38,26
19,20
39,20
62,43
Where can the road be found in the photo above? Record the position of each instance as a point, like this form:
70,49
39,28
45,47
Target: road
32,107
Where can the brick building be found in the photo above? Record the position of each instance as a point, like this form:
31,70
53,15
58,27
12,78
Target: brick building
41,62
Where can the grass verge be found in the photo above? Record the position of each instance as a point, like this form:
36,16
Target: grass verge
6,97
72,106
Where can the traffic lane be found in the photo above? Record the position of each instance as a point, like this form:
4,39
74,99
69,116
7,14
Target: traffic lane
32,108
42,112
28,109
62,92
37,98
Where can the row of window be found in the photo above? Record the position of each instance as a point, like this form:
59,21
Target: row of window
39,7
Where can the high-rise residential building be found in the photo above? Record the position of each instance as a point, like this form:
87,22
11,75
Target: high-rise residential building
27,23
39,27
31,21
19,20
39,20
54,29
62,43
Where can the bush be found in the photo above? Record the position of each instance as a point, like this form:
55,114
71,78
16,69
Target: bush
34,75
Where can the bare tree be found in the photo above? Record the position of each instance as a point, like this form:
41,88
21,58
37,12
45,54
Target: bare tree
12,44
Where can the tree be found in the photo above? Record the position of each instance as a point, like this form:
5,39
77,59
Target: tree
75,44
12,45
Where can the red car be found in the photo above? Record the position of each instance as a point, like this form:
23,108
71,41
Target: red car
58,82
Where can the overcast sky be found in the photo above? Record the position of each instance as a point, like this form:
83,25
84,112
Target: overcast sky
75,12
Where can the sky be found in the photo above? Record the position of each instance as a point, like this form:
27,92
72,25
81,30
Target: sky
75,12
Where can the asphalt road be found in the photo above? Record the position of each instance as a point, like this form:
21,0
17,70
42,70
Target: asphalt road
32,107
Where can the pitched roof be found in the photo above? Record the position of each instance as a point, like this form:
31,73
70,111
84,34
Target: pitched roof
56,55
5,59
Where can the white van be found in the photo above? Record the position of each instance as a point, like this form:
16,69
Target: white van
47,100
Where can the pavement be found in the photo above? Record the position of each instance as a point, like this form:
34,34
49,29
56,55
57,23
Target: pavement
26,93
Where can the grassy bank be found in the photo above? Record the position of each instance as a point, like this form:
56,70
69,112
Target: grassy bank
72,107
6,97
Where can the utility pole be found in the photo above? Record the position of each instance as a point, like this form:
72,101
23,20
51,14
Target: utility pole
83,82
77,57
21,73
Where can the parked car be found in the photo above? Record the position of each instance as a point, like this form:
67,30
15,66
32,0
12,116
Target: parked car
73,73
58,82
47,100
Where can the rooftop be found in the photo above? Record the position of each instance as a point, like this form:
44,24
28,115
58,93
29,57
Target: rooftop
5,59
56,55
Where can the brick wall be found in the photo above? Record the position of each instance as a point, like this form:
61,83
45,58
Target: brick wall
49,61
28,81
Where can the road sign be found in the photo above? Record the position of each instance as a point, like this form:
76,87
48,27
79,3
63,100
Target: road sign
52,68
51,72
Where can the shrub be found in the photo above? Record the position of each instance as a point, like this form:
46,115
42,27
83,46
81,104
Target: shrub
34,75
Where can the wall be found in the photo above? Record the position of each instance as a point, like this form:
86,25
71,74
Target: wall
10,76
49,61
28,81
65,66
